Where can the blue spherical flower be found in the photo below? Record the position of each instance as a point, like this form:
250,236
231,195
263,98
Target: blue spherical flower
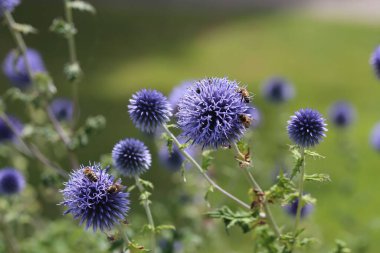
375,137
375,62
342,114
131,157
11,181
307,127
278,90
213,113
15,69
6,133
149,109
174,160
89,197
291,209
8,5
177,93
62,109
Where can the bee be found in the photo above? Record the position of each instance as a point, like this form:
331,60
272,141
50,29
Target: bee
246,120
115,188
244,94
90,174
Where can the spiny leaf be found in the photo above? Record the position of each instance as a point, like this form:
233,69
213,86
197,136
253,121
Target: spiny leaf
146,183
281,190
82,6
161,228
207,159
317,178
134,247
313,154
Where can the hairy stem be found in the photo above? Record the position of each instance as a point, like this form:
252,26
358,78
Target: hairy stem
203,173
272,223
300,191
148,214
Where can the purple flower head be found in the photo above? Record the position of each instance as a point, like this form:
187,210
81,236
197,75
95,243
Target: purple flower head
8,5
375,62
62,109
307,127
89,198
375,137
11,181
278,90
6,133
15,69
255,115
149,109
291,209
131,157
173,160
210,113
177,93
342,114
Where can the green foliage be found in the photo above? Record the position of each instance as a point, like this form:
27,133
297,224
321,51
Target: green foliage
24,28
72,71
341,247
92,125
169,141
245,220
82,6
281,190
320,178
161,228
146,184
63,28
207,159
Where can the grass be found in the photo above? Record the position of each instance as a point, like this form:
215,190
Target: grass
125,50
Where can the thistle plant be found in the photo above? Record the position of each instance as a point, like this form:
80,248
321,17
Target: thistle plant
211,115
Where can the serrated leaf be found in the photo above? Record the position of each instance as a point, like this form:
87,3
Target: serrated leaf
134,247
280,191
317,178
146,183
207,159
161,228
313,154
82,6
24,28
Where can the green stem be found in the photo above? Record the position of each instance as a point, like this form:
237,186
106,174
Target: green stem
300,191
203,173
148,214
272,223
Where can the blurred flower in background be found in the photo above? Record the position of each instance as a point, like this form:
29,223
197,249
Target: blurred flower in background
174,160
255,115
375,62
277,90
6,133
342,114
11,181
375,137
8,5
291,209
16,70
178,92
62,109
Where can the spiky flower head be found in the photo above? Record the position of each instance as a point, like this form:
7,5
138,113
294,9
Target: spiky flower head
307,127
177,93
210,113
291,209
173,159
15,69
149,109
6,133
375,137
90,199
342,114
131,157
11,181
375,61
62,109
8,5
278,90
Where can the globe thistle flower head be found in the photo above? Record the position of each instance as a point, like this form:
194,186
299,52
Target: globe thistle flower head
8,5
15,69
212,113
375,62
255,115
6,133
131,157
173,160
11,181
149,109
307,128
375,137
177,93
89,197
278,90
62,109
342,114
291,209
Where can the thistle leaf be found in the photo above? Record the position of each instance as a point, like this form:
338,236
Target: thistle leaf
82,6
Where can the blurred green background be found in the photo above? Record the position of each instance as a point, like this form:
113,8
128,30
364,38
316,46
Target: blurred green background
128,47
